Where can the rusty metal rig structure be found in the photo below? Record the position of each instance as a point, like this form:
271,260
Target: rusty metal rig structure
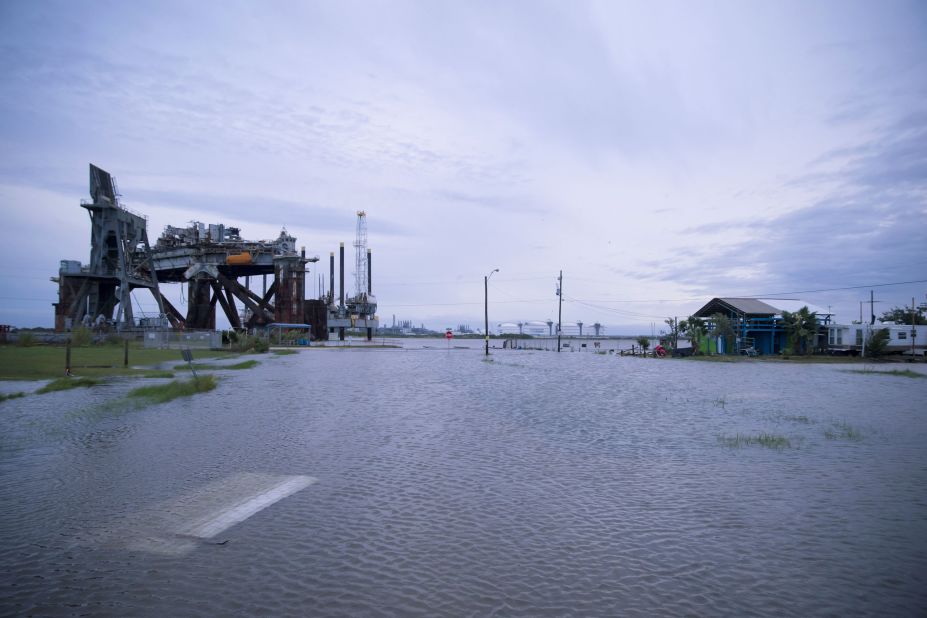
120,261
211,260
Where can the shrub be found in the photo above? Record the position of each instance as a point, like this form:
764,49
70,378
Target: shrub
81,337
25,340
877,342
250,343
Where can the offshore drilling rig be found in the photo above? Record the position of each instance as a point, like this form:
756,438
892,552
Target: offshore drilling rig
212,260
358,311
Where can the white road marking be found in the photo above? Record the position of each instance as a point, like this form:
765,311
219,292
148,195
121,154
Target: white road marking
174,527
216,522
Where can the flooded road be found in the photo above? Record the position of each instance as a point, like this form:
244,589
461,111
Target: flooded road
428,482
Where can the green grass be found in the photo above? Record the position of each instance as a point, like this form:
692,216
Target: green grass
63,384
161,393
905,373
8,396
248,364
284,352
843,431
41,362
764,439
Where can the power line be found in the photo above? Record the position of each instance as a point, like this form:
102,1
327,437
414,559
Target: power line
850,287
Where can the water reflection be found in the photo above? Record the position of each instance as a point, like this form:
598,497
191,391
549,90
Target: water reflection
535,484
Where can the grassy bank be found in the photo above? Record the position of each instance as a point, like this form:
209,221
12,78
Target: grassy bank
42,362
161,393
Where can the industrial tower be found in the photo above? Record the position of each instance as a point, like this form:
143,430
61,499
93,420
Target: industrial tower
360,255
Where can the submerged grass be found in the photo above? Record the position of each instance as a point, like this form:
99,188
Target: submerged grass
905,373
8,396
797,419
764,439
843,431
157,373
160,393
63,384
284,352
248,364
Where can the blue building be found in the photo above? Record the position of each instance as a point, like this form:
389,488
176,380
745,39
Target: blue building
757,324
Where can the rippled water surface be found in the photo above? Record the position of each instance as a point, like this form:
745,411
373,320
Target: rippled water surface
429,482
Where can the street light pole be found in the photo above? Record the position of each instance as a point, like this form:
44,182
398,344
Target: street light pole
559,307
486,306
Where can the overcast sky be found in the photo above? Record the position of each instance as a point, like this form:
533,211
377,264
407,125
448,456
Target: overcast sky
659,153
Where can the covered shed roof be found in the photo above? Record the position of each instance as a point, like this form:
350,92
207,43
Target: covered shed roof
739,306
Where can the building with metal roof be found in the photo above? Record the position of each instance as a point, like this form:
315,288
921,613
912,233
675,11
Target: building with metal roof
758,325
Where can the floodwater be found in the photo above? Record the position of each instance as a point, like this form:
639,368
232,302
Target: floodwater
428,482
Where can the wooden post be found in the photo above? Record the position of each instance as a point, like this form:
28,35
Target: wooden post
125,358
67,357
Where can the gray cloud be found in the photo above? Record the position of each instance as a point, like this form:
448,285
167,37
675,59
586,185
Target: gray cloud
254,208
870,229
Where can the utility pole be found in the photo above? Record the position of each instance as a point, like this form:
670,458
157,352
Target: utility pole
913,330
559,307
872,307
486,310
486,306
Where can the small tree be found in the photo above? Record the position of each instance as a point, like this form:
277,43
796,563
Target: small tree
724,328
672,337
644,342
877,342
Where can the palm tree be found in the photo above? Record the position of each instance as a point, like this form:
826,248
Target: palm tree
695,330
801,329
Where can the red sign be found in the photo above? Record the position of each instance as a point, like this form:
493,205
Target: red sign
449,335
